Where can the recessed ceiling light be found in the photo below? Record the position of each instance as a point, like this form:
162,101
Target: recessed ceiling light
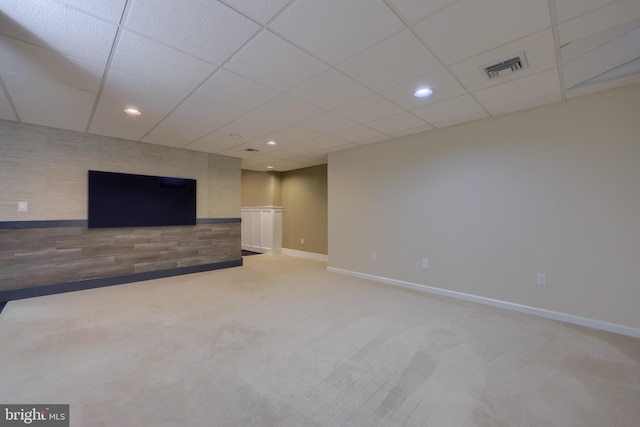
269,167
272,143
422,92
132,111
235,135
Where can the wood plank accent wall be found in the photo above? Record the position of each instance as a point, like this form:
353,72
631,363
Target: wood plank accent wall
31,257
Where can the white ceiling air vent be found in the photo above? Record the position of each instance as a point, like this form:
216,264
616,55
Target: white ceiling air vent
506,66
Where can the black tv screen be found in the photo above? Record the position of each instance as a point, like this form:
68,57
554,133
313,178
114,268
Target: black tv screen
128,200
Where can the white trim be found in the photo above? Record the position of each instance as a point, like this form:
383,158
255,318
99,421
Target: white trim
275,251
555,315
303,254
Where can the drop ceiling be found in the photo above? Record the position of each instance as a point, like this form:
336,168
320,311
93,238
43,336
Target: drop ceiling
315,76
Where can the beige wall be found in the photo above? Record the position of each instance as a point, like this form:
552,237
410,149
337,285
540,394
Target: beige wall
304,213
302,193
261,188
47,168
552,190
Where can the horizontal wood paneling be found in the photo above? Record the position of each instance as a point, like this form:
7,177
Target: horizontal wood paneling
40,256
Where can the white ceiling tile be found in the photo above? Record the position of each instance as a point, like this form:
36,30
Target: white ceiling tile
359,133
462,119
451,111
155,61
334,30
599,87
258,163
371,108
397,123
214,142
192,119
374,140
250,126
296,134
109,10
253,125
327,123
415,10
289,109
538,49
582,46
233,89
330,90
304,149
627,69
136,90
323,76
617,52
617,13
523,93
241,150
470,27
263,157
411,131
236,152
442,83
393,61
567,9
45,92
274,62
261,143
110,119
54,26
44,114
329,143
43,64
260,10
49,104
204,28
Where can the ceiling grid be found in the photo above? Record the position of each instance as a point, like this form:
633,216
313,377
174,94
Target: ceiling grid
314,76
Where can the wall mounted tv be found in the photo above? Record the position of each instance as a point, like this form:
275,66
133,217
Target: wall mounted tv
127,200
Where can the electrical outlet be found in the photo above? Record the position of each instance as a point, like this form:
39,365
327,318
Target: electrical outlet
374,256
302,241
542,279
23,206
425,263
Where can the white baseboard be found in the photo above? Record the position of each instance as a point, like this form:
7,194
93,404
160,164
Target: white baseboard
303,254
262,250
554,315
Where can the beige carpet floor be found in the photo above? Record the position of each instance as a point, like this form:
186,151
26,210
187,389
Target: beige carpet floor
283,342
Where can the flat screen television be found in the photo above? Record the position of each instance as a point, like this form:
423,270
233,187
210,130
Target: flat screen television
128,200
